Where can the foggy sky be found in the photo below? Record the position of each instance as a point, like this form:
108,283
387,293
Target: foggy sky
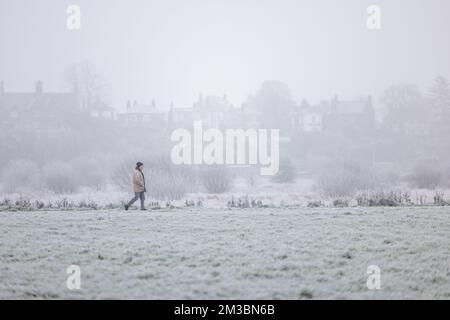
172,50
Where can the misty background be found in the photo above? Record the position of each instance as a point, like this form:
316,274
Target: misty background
172,50
359,109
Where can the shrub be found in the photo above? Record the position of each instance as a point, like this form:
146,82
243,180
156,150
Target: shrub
162,186
20,174
381,198
287,172
89,172
60,177
249,174
216,179
315,204
439,198
428,175
344,179
167,180
121,175
339,203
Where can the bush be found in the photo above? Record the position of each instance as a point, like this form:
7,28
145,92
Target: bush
315,204
167,180
339,203
121,175
216,179
60,177
89,172
345,178
162,186
428,175
20,174
381,198
287,172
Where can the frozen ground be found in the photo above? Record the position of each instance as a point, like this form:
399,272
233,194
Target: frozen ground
227,254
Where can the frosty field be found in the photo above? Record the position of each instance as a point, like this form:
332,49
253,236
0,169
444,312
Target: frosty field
299,253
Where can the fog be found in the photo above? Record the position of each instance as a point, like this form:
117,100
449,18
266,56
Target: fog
172,50
357,109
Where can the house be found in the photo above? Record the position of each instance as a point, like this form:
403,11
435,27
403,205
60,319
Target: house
143,115
348,116
102,110
212,111
181,117
37,109
351,116
307,118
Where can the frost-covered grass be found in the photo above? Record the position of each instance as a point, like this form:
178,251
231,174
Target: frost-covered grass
266,194
199,253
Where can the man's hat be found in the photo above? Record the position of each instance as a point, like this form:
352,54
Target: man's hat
139,164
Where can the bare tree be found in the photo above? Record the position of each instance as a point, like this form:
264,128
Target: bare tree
90,87
404,104
274,100
440,97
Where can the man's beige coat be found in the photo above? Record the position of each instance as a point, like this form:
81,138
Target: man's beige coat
138,181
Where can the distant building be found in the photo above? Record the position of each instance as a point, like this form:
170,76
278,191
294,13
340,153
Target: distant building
143,115
181,117
36,107
307,118
32,109
212,111
351,116
102,110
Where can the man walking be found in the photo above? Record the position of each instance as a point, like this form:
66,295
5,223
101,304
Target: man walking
138,186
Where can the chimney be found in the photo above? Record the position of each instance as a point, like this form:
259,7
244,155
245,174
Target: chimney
128,104
38,86
2,87
153,104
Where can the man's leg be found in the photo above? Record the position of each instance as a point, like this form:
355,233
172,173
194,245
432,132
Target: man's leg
142,196
136,196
